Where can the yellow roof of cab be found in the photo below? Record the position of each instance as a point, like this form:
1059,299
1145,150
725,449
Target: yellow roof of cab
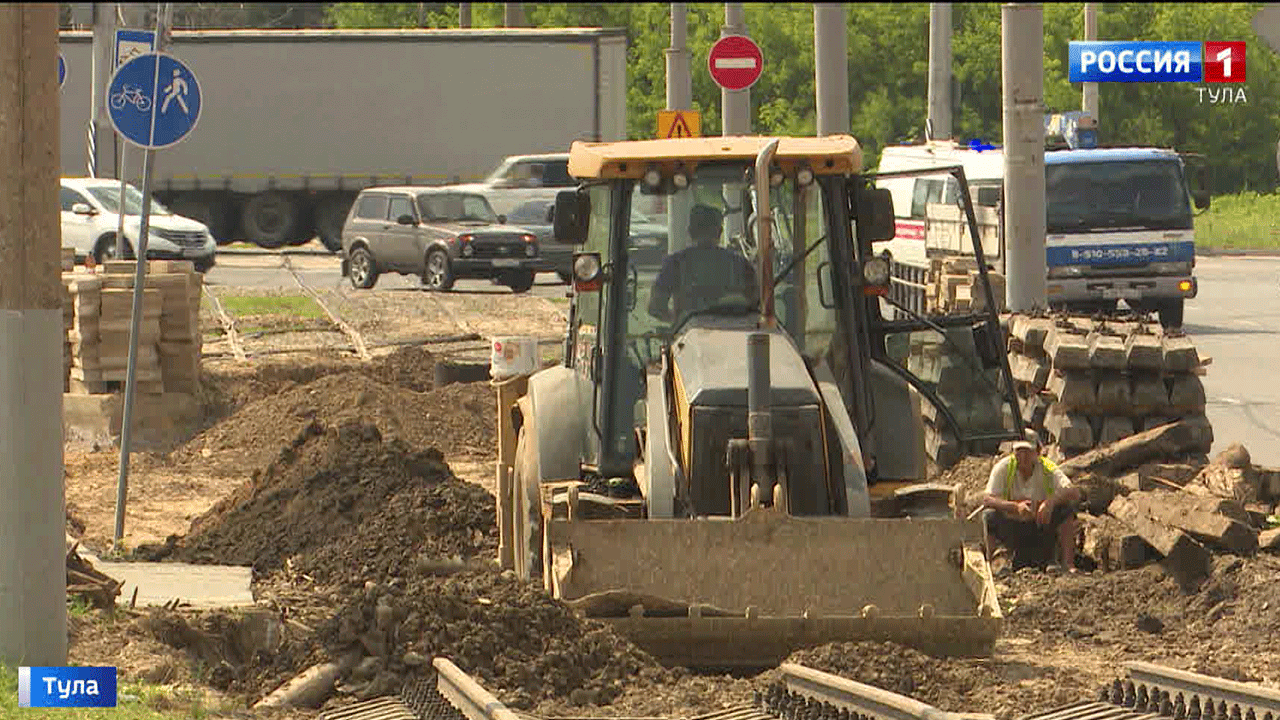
830,155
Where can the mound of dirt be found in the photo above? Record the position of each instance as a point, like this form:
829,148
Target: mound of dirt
941,683
457,419
347,503
509,635
971,472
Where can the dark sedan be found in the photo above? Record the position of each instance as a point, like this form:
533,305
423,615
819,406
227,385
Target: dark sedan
441,235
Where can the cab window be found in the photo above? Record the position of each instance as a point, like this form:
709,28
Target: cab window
400,206
69,198
372,207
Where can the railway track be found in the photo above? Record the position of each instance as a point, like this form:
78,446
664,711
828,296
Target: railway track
1146,692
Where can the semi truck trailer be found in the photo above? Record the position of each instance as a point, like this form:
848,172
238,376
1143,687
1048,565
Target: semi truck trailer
294,123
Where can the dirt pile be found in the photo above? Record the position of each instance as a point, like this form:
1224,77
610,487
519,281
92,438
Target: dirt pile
971,472
346,503
457,419
941,683
507,634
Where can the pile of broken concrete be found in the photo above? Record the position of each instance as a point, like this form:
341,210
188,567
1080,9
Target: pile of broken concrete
1144,509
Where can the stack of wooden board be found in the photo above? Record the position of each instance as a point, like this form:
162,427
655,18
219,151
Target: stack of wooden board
956,287
1085,382
99,319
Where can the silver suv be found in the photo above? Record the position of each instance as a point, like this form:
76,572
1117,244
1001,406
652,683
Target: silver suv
440,234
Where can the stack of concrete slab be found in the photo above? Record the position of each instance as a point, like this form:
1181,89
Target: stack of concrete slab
952,369
99,322
1085,382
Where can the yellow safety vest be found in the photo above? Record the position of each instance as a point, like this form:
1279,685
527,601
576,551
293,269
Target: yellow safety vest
1049,470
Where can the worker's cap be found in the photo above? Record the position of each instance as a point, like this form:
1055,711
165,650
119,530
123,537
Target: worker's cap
1024,445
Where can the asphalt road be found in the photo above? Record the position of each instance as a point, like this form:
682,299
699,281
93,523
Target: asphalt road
320,269
1235,319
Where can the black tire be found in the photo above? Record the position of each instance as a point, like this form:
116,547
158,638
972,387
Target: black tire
437,273
1171,312
331,215
363,270
270,219
304,228
105,249
520,282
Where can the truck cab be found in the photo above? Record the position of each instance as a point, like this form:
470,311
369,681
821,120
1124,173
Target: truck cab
1118,221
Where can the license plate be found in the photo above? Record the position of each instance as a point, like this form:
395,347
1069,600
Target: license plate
1122,294
506,263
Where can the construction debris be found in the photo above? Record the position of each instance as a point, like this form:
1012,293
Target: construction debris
86,582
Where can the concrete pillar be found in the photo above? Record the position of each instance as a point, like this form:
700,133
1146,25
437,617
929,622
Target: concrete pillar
98,134
679,97
940,70
1022,59
512,15
1089,103
735,119
33,575
735,105
831,67
464,15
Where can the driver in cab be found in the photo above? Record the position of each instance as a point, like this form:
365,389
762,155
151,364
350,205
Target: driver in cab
703,274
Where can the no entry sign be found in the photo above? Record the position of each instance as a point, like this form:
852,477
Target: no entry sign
735,62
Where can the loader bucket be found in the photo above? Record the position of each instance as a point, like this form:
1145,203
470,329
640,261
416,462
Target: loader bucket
747,592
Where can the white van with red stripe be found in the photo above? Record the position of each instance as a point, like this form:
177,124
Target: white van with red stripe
983,169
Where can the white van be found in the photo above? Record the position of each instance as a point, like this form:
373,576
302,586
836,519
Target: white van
1119,220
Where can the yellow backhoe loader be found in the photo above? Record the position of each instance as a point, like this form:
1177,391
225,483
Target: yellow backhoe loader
728,464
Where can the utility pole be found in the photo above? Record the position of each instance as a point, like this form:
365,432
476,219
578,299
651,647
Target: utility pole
1022,75
831,65
735,105
939,125
33,575
679,97
1089,102
512,15
422,15
99,132
464,15
735,119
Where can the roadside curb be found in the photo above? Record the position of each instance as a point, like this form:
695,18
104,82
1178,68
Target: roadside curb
1209,252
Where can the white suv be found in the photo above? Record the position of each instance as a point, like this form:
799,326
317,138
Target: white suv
90,219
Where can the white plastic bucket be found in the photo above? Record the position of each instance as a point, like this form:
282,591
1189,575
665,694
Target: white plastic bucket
512,357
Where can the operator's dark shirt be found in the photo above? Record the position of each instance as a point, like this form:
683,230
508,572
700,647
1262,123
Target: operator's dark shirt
699,276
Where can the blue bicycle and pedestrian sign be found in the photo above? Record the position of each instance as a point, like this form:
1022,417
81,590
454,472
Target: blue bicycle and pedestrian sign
154,100
62,71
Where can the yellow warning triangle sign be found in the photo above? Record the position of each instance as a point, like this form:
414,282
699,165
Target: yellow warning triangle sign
679,124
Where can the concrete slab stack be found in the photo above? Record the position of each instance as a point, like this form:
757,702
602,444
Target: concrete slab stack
1085,382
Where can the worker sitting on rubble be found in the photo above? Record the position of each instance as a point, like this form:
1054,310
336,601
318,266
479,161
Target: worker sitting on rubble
703,274
1031,507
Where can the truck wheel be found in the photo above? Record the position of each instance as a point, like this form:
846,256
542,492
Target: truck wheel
363,269
105,249
1171,313
269,219
436,273
331,215
520,282
304,228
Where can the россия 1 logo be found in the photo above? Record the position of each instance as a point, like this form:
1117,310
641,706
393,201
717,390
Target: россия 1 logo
1149,61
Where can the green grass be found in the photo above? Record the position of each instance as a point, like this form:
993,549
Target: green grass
299,306
1248,221
135,701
